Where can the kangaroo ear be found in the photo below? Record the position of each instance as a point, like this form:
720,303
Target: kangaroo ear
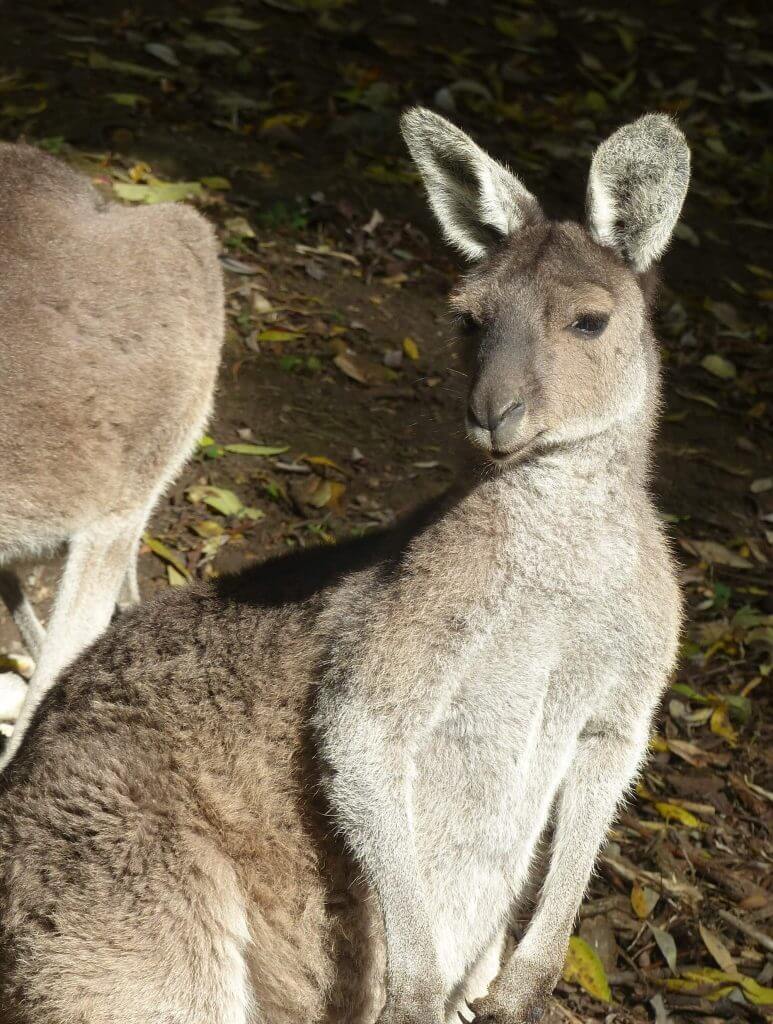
638,181
477,201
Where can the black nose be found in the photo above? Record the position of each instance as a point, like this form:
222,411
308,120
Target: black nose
500,420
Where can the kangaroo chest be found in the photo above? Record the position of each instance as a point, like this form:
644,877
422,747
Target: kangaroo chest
484,783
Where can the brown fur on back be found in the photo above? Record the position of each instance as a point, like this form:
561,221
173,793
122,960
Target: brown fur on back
176,749
110,329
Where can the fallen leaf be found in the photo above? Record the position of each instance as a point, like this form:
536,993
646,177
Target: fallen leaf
221,500
158,192
359,369
207,528
163,53
278,336
666,945
583,967
127,99
216,183
167,555
99,62
673,812
643,900
255,449
713,551
719,366
410,348
239,227
718,950
175,577
720,724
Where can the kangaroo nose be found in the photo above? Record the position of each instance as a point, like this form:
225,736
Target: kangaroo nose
500,420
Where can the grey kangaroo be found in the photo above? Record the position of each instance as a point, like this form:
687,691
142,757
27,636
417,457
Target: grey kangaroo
111,324
313,792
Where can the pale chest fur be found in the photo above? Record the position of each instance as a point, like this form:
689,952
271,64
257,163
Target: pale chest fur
558,638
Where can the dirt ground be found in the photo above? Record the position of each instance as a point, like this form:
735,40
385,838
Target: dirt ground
279,119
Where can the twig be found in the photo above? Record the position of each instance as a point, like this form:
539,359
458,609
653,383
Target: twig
565,1012
747,929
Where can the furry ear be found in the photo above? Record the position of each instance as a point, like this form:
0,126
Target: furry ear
638,181
477,201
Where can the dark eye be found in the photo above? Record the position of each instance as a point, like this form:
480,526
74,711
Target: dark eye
590,325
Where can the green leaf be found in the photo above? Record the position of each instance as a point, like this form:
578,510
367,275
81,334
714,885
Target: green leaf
127,99
223,501
255,449
99,62
219,498
275,335
158,192
216,182
719,366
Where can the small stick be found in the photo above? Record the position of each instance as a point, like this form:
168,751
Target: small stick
747,929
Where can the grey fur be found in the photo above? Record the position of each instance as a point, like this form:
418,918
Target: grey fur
475,198
111,324
295,797
638,183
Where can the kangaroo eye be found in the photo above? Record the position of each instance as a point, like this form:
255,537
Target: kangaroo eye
469,324
590,325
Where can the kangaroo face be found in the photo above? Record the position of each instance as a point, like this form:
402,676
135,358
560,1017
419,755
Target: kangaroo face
552,333
553,313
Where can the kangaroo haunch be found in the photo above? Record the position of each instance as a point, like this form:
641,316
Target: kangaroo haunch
314,792
111,324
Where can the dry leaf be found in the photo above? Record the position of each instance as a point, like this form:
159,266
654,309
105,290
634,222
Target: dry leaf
643,900
717,949
584,968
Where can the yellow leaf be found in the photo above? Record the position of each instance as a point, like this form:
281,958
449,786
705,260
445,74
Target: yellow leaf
166,554
696,978
720,724
411,349
325,492
140,171
176,579
584,968
758,994
207,528
272,334
643,900
658,744
322,460
672,812
711,990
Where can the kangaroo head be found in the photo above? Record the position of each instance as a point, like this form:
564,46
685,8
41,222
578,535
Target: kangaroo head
554,313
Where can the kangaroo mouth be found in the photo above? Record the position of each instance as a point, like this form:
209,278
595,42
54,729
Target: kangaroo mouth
518,453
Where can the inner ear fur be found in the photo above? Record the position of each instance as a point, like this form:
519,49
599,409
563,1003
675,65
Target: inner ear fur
637,185
478,201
